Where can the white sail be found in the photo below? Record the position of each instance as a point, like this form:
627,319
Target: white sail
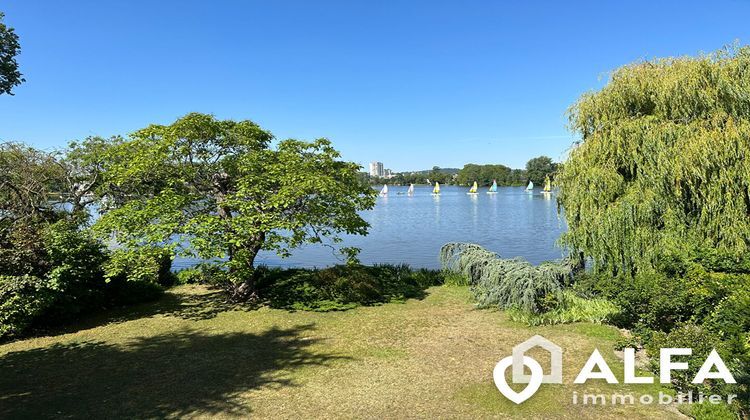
493,188
410,191
384,191
530,186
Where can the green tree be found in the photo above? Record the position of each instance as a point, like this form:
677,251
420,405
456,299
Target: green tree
538,168
216,189
9,49
663,165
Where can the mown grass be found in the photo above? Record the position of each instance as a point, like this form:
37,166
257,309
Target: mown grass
191,355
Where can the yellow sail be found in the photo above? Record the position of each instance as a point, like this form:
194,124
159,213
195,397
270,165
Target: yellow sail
436,190
547,185
473,189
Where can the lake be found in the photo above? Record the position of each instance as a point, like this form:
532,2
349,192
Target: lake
411,230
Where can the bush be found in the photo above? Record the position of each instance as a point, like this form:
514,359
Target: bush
731,317
147,264
658,301
22,300
71,278
76,275
204,273
702,342
504,283
343,286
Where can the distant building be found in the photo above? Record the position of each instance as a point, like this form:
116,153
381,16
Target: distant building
388,173
376,169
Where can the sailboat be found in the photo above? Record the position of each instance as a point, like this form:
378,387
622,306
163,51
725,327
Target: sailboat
493,188
410,191
436,190
384,191
547,186
473,189
530,187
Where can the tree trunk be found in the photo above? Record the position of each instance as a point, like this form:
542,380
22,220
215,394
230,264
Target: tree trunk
246,289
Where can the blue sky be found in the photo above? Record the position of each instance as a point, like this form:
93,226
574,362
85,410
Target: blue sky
412,84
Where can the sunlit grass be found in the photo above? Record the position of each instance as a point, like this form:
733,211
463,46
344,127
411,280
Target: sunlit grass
191,355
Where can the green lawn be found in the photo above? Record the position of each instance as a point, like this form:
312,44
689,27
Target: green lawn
190,355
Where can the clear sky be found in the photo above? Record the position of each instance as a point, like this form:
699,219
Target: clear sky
410,83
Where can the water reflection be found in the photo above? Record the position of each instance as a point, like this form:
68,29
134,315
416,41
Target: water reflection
411,229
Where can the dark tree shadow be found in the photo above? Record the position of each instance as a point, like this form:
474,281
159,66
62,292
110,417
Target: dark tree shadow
193,307
154,377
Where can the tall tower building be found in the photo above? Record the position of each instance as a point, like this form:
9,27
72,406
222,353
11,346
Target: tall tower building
376,169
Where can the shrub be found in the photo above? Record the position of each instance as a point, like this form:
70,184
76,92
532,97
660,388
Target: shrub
147,264
22,300
731,317
702,342
507,283
658,301
76,274
343,286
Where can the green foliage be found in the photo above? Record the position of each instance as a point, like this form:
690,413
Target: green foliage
67,277
22,300
147,264
661,167
504,283
455,279
76,259
571,308
31,182
539,168
215,189
731,316
9,49
21,250
485,174
702,342
202,273
660,301
344,286
708,411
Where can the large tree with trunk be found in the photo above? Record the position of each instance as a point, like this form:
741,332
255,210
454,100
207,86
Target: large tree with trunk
218,190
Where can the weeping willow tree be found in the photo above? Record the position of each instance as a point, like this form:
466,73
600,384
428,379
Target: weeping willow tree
506,283
663,164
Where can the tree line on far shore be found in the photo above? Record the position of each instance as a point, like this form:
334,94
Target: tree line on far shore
537,169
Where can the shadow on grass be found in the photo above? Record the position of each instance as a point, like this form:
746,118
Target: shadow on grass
329,289
155,377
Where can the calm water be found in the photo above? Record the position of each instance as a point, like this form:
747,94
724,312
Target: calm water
411,230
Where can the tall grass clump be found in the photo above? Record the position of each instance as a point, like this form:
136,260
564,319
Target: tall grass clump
572,308
507,283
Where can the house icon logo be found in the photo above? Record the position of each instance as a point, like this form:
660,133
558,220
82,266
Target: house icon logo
519,361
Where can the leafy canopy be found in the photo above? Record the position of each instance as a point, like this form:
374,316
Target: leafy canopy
539,168
9,49
663,163
217,189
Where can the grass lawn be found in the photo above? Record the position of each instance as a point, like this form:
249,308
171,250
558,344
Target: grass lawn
190,355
